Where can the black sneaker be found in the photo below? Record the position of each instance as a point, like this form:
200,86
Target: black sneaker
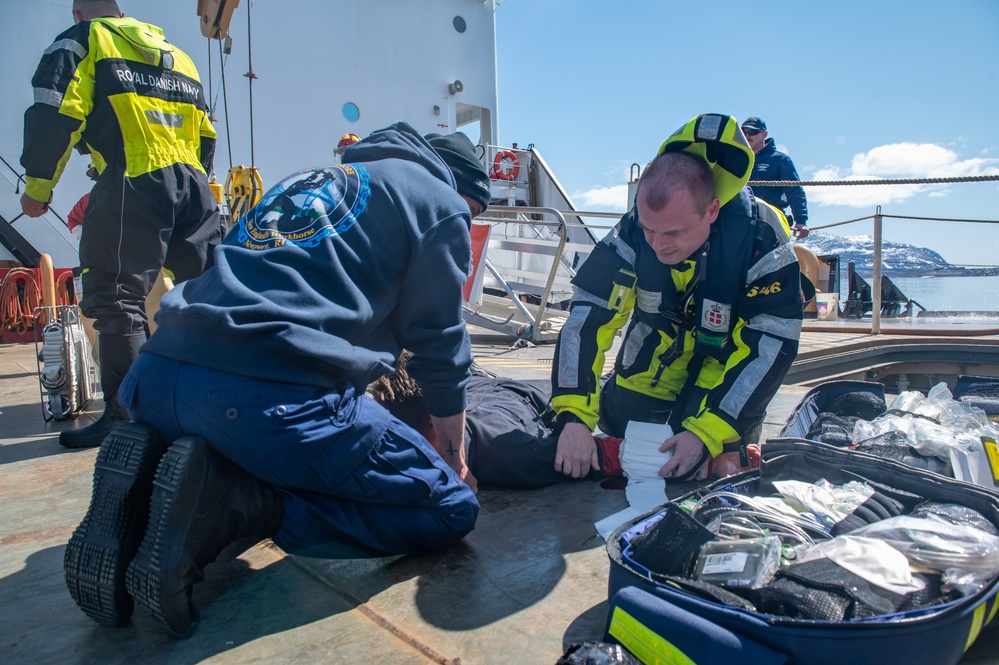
201,503
99,551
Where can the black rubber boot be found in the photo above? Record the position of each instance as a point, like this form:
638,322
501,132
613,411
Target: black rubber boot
201,503
93,434
117,354
98,553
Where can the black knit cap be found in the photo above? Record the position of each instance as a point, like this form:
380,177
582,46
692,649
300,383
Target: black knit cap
458,153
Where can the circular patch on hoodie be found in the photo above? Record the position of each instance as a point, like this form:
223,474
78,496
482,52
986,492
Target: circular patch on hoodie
307,207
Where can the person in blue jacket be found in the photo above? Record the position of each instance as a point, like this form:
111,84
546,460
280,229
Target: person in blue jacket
772,164
257,373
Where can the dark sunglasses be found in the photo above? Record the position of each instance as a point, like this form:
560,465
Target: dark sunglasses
752,132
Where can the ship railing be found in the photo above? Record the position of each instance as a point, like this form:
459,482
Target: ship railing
522,267
22,241
877,282
528,262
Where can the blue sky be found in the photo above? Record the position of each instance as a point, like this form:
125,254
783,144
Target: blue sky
871,89
862,89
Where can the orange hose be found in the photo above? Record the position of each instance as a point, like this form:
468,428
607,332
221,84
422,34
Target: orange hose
62,288
17,310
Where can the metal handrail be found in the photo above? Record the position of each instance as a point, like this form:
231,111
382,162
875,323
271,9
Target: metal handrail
878,218
563,231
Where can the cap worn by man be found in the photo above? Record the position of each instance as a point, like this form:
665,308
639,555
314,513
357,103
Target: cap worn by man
771,164
458,153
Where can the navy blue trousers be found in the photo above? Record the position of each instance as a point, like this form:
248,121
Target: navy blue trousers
355,481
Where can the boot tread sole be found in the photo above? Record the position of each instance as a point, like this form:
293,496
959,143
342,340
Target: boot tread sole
100,548
146,579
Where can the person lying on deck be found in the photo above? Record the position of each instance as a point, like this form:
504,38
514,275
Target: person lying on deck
509,436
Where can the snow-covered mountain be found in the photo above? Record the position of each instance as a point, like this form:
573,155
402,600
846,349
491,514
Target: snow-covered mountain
896,258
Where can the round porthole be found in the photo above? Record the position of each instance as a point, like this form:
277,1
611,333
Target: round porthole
351,112
459,24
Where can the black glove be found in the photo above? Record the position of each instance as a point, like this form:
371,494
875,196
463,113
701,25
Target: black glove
877,507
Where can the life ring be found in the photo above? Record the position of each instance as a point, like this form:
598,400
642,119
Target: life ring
502,173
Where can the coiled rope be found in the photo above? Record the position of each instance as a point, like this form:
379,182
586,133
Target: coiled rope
17,312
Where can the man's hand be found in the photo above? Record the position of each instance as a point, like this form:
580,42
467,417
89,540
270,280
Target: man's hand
687,448
451,441
799,232
576,453
33,208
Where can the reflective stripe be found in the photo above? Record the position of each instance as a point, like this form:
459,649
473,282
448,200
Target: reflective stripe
779,258
995,608
583,296
569,345
48,96
977,621
776,325
636,340
68,45
751,377
646,644
623,249
160,118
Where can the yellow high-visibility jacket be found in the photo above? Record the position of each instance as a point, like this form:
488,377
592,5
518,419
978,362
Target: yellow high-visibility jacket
750,278
131,98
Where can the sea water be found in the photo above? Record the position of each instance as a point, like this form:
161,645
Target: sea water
978,295
952,294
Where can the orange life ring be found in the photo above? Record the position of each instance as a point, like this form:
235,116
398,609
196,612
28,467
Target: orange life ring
501,173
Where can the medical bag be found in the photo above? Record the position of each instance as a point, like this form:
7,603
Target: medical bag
676,618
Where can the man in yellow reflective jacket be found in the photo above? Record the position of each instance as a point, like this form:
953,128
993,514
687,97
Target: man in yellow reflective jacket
710,284
134,101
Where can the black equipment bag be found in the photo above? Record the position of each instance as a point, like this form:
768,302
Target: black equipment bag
662,619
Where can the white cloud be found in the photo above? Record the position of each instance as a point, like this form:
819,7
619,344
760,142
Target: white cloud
893,161
614,198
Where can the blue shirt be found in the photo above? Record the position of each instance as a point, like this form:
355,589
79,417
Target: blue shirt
772,164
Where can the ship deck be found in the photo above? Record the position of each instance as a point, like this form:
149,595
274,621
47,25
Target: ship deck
528,582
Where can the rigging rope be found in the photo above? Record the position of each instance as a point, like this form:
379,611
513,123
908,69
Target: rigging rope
889,181
225,105
250,75
943,219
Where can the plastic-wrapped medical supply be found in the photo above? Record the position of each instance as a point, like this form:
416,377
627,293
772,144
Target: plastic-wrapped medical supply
934,440
940,406
864,430
827,502
869,558
932,405
962,417
964,553
746,563
934,426
840,508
